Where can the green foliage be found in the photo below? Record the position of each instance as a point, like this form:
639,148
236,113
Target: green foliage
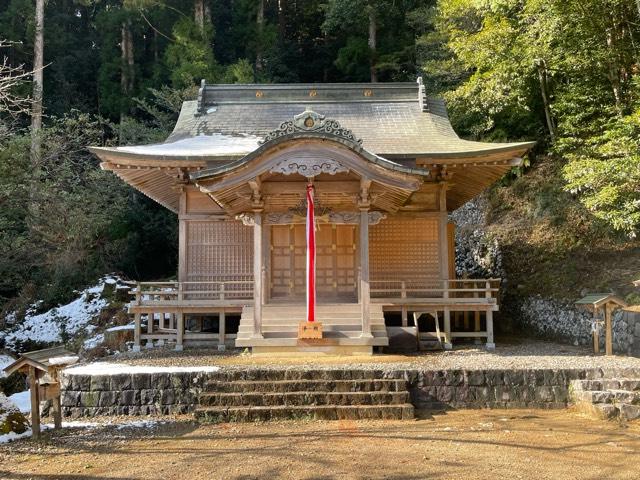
494,57
190,57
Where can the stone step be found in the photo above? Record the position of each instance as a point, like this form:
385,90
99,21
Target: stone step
632,384
606,396
314,412
303,398
328,384
326,327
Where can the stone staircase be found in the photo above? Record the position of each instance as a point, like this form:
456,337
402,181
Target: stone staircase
341,323
607,398
316,395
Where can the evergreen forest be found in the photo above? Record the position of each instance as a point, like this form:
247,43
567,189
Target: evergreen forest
74,73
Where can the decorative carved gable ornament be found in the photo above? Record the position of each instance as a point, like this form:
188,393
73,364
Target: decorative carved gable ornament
309,167
310,121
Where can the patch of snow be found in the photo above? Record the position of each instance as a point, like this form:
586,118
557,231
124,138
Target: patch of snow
5,361
70,318
67,360
140,424
130,326
215,144
22,400
11,436
93,342
106,368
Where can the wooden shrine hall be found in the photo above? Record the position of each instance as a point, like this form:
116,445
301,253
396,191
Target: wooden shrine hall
386,169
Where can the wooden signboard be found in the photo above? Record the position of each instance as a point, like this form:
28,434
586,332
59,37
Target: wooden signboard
309,330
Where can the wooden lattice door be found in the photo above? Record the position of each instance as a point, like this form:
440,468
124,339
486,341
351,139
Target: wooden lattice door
335,262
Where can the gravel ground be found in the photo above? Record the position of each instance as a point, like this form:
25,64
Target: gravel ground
509,353
470,444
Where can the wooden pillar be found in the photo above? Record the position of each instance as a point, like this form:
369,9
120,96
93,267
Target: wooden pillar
150,319
490,341
365,293
405,319
257,274
491,345
222,328
444,260
447,329
180,332
182,237
136,332
35,402
56,405
608,339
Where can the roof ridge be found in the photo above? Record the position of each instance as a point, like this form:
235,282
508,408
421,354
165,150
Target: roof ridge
285,93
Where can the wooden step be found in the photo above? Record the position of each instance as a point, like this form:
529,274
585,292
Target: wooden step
313,412
236,399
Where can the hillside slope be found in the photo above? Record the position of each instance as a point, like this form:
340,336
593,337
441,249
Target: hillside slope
548,249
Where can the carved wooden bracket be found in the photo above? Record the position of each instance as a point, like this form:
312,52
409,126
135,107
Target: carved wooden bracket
288,218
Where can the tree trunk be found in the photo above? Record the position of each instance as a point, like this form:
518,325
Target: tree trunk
282,20
127,67
38,65
544,91
373,31
614,71
638,7
260,28
198,8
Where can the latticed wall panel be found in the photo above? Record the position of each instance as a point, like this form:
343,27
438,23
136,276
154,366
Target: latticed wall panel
219,251
405,249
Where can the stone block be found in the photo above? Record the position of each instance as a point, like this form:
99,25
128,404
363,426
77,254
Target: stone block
514,377
89,399
167,397
80,383
69,398
129,397
629,412
120,382
160,381
494,377
475,377
484,394
108,399
462,394
100,383
444,393
503,393
439,378
560,394
140,381
454,377
65,382
149,396
544,394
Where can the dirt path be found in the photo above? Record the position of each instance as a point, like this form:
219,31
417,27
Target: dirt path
472,444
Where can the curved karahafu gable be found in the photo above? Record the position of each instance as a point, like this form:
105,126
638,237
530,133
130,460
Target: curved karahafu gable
392,125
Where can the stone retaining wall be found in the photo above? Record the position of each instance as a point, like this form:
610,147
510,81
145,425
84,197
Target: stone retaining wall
131,394
564,321
499,388
171,393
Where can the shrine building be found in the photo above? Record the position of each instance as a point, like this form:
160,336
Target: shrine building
386,169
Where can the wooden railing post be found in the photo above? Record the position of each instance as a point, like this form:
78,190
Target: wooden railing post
447,318
180,326
222,291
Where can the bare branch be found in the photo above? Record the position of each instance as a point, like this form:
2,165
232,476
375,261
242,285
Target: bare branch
10,78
